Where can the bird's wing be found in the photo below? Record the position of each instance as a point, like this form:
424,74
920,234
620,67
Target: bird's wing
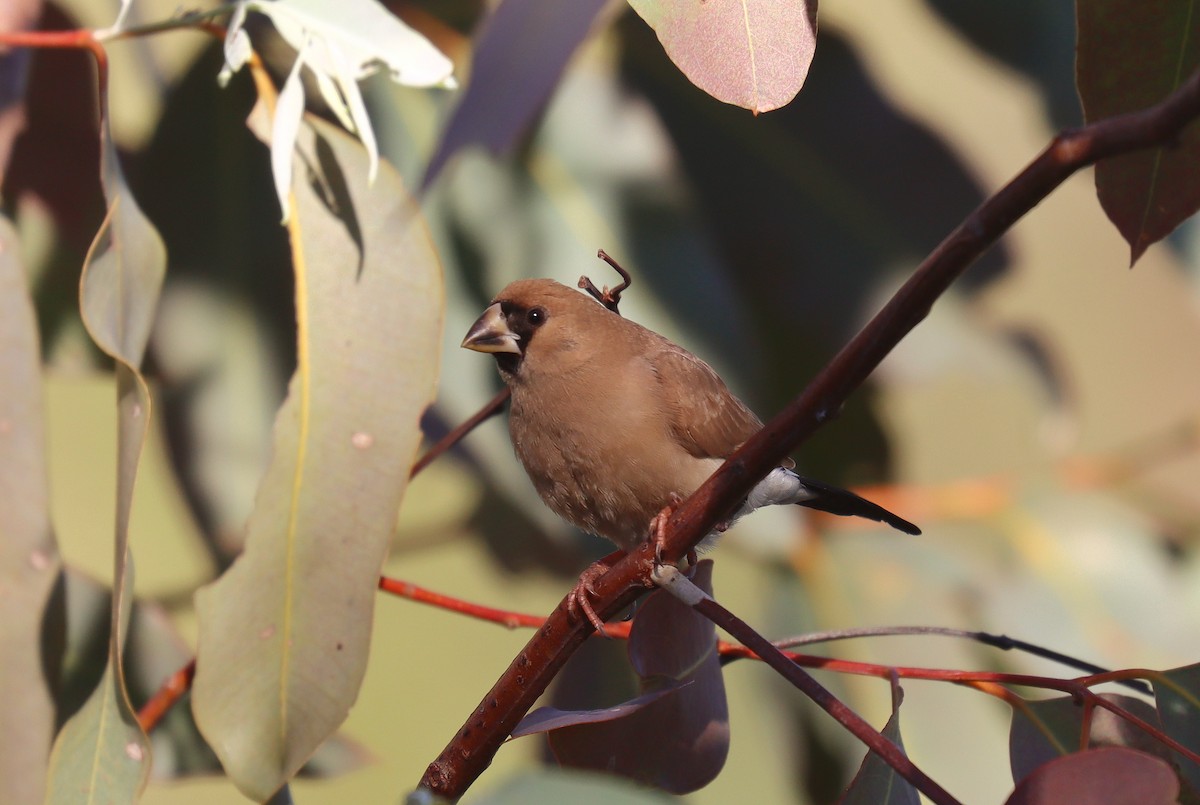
704,416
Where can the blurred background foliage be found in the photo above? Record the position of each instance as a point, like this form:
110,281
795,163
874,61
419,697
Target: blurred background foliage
1040,425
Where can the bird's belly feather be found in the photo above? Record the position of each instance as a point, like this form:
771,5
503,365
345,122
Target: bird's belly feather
603,483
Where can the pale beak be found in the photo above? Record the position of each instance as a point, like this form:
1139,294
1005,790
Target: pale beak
490,333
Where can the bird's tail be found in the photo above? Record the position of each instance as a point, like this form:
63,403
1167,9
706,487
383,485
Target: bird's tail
835,500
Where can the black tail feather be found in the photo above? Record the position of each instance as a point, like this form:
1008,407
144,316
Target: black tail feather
835,500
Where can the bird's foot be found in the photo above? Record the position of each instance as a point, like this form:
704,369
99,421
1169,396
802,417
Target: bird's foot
578,599
658,527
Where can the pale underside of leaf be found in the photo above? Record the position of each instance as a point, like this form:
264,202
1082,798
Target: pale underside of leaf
340,43
750,53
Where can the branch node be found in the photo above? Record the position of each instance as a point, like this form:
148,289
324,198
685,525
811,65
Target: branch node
676,582
610,298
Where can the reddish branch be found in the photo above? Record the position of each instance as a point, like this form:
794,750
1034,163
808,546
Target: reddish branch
165,697
852,721
989,682
471,750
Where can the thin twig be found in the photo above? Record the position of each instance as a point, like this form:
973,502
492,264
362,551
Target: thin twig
610,298
172,690
489,410
675,582
472,748
990,682
1002,642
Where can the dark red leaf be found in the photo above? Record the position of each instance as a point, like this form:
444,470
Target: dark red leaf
1109,776
676,735
1130,55
545,719
668,640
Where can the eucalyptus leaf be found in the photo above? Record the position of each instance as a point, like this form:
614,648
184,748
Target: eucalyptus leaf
878,783
101,754
284,634
754,54
30,567
342,43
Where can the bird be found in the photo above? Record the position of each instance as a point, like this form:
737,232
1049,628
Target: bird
613,422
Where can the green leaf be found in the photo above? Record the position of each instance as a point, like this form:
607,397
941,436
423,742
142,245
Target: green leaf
30,567
284,634
1177,693
1041,731
1046,729
876,781
101,754
754,53
1131,54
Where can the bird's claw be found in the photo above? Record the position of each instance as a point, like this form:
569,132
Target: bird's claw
658,526
578,600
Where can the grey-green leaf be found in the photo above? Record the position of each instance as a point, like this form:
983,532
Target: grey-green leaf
284,634
101,754
29,560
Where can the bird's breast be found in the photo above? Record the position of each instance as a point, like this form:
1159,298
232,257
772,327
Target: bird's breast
604,460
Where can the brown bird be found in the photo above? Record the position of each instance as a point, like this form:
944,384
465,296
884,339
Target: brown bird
613,422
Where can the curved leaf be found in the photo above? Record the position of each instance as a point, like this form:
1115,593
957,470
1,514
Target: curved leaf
101,754
341,42
284,634
1132,54
1046,729
1109,776
750,53
1177,693
678,741
29,562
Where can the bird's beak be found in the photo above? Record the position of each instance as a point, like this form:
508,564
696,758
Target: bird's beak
490,333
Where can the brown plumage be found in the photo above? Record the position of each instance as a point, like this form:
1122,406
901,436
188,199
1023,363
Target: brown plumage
611,420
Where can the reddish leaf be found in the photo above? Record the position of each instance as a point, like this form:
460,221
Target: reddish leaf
545,719
676,735
668,640
1130,55
754,53
1109,776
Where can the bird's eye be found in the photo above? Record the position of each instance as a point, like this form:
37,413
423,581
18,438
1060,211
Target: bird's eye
536,316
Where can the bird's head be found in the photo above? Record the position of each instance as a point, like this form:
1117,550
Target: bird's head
537,321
